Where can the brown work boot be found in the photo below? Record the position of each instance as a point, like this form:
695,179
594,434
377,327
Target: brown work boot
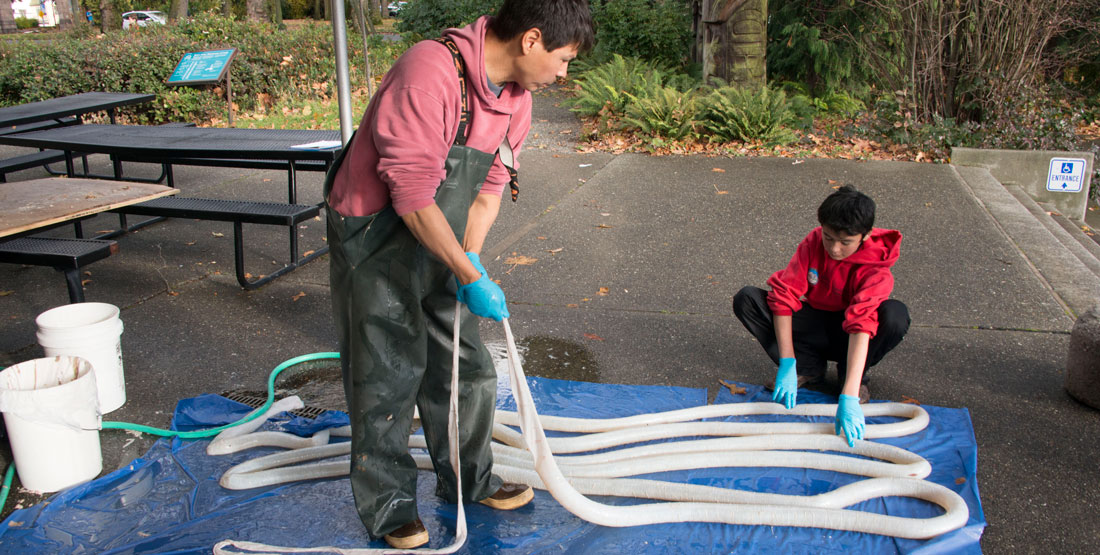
411,535
510,496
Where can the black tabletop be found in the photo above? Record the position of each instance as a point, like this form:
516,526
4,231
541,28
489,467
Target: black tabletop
66,106
164,143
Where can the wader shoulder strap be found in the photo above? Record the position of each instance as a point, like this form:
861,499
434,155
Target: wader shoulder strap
509,160
505,150
460,67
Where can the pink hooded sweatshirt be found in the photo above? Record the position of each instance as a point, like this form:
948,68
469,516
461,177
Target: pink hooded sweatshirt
857,285
397,155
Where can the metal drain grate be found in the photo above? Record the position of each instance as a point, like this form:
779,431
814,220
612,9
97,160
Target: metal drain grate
257,402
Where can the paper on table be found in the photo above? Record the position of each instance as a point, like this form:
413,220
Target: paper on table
319,145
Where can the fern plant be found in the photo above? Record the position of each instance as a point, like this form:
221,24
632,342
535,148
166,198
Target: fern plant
756,116
663,113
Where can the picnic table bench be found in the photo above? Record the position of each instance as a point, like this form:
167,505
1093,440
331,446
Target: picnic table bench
31,206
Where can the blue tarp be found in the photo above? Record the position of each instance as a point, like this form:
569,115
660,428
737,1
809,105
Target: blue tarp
169,501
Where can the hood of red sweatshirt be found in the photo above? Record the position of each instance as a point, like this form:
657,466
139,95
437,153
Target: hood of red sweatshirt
880,248
470,41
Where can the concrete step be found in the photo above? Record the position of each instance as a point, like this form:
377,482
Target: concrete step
1068,234
1056,256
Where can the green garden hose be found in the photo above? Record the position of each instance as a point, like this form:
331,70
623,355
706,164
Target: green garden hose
196,434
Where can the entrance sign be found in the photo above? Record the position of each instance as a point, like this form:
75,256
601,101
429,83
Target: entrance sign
1066,175
202,68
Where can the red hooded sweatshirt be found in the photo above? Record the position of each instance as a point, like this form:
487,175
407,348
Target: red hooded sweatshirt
398,152
857,285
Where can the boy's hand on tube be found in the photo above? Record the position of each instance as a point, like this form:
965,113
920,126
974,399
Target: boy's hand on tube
786,383
849,419
484,298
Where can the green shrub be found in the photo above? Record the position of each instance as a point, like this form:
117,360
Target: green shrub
25,23
663,113
606,89
270,64
646,29
429,18
756,116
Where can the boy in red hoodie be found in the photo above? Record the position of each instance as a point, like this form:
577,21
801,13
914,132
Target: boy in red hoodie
409,204
831,302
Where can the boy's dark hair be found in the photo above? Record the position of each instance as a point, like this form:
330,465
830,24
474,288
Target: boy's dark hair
562,22
848,211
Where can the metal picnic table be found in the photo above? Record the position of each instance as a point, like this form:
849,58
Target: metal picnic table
73,105
169,145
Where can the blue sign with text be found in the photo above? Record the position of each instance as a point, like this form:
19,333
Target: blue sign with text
202,68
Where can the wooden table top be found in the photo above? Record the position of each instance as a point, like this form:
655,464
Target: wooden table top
37,203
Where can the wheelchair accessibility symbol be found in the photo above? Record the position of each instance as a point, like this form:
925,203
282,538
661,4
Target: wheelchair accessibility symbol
1066,175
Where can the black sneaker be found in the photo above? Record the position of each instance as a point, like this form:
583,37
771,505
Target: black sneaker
411,535
803,380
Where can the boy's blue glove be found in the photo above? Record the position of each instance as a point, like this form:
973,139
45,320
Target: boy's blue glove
484,298
786,383
849,418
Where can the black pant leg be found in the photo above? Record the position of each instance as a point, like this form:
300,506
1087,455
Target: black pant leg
893,324
750,305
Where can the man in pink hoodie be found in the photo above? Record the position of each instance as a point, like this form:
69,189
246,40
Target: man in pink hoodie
842,271
409,204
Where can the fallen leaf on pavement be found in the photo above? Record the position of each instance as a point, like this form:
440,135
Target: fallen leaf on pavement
593,337
307,253
216,234
603,291
960,480
572,305
520,260
555,251
541,238
718,170
734,388
603,226
910,400
6,293
298,296
832,182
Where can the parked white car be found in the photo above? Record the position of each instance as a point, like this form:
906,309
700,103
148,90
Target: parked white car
394,8
143,18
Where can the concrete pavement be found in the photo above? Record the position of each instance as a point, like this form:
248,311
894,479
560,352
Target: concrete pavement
638,258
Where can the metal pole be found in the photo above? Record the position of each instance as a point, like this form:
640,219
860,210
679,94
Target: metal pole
229,94
343,89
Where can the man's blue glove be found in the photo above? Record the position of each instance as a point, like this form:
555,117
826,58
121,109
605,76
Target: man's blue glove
476,260
849,418
786,383
484,298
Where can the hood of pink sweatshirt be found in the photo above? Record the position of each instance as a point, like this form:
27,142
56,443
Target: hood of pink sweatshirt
398,152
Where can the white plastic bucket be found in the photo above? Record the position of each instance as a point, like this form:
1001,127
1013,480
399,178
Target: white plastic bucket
49,407
91,331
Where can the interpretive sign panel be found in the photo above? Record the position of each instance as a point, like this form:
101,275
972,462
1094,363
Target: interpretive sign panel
202,68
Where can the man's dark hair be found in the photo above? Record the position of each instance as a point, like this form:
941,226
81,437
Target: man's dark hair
562,22
848,211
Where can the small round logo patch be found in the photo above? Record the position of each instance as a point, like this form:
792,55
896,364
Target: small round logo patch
812,276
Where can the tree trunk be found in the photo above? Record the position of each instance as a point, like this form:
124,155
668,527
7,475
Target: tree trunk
79,17
734,39
64,14
7,18
227,9
108,17
255,10
178,10
275,8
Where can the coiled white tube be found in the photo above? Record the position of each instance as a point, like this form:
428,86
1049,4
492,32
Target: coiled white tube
528,458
